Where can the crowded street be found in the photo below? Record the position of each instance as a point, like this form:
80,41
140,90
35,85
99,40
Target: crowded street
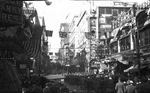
74,46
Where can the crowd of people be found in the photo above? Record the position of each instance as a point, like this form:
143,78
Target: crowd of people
90,83
109,84
133,86
39,84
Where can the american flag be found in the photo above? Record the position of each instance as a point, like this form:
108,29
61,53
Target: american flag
33,46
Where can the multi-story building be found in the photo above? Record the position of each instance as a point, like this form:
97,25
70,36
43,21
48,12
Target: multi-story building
64,43
107,23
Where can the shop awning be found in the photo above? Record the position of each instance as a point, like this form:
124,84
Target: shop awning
135,68
128,69
119,57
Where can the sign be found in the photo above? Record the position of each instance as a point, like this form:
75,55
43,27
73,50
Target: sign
11,13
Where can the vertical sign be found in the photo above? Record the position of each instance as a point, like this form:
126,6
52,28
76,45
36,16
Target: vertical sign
93,43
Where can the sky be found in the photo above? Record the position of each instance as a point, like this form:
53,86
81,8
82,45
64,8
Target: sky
56,13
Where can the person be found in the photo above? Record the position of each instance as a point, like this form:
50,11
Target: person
47,88
64,89
144,87
130,88
120,87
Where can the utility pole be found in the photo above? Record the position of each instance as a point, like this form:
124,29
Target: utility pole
138,52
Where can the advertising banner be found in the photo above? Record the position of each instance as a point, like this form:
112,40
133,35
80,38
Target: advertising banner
11,13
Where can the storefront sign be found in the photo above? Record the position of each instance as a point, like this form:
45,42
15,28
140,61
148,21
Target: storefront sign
11,13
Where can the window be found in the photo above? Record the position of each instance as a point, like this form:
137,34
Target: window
108,11
146,37
115,12
141,39
125,44
102,10
114,47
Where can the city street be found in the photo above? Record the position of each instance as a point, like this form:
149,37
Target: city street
61,78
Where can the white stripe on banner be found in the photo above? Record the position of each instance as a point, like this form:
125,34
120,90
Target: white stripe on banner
32,47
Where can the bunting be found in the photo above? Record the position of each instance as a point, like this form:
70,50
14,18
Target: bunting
33,45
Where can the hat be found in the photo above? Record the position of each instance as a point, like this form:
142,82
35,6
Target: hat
131,82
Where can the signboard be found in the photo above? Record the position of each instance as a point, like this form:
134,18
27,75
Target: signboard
11,13
93,42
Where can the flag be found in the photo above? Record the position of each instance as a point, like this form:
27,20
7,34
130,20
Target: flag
49,33
33,45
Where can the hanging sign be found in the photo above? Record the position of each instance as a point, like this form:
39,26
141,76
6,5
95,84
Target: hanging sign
11,13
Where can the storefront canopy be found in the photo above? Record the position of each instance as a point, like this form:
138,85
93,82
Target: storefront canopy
134,68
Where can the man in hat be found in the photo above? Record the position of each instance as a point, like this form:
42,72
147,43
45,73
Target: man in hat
130,87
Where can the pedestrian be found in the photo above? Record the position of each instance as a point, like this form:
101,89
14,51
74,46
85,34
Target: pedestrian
64,89
144,87
120,87
130,88
47,88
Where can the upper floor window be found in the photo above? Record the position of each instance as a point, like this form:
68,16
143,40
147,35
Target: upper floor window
114,47
145,37
125,43
115,12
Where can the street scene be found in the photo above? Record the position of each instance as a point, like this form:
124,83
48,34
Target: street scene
74,46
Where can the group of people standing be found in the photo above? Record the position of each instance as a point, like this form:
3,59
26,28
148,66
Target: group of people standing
131,86
43,85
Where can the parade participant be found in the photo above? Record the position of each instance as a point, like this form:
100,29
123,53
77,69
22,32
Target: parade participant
144,87
120,87
130,88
